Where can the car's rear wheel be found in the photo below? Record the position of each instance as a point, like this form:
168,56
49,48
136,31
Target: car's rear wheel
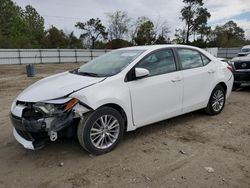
101,130
217,101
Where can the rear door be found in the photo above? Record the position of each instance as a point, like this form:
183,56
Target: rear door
198,78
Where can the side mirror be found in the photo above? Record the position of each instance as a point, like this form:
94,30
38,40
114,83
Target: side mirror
141,72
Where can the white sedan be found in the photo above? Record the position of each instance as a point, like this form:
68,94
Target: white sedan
120,91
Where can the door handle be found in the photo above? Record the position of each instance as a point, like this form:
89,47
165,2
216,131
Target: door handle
211,71
176,79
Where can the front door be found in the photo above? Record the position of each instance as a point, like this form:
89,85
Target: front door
158,96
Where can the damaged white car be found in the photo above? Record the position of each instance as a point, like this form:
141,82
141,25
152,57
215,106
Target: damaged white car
120,91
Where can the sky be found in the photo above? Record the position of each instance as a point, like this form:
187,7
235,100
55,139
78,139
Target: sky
64,13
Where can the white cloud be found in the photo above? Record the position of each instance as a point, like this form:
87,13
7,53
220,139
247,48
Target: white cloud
225,9
245,24
64,14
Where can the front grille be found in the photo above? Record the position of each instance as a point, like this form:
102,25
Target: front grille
242,65
17,122
32,114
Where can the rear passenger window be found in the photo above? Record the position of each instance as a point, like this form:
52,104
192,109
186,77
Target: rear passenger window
189,58
205,60
159,62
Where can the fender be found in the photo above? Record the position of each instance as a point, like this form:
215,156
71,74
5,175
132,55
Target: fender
120,96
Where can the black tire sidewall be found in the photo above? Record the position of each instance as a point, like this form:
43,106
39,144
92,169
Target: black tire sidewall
89,123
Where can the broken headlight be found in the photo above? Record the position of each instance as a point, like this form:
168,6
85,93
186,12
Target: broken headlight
49,108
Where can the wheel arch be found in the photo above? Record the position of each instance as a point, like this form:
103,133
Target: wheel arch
209,109
120,110
223,85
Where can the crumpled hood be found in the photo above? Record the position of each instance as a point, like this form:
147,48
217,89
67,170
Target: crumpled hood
56,86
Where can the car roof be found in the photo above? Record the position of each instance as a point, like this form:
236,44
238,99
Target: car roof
158,46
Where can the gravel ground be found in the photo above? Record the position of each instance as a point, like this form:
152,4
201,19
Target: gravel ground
171,153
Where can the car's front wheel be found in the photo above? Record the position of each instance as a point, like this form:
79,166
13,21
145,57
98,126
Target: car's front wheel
101,130
217,101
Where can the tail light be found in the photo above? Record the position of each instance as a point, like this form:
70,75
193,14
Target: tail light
229,67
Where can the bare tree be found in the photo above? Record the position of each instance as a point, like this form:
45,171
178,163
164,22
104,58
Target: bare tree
162,30
180,36
118,24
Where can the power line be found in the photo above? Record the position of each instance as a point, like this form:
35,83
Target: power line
62,17
51,20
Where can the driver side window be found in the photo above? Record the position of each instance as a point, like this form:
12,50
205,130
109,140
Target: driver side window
159,62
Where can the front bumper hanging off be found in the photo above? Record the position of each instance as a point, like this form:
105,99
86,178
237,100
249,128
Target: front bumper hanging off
34,134
26,143
33,128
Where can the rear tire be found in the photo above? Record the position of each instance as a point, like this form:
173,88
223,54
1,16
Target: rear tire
217,101
101,131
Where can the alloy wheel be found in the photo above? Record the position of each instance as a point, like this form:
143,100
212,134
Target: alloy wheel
104,132
218,100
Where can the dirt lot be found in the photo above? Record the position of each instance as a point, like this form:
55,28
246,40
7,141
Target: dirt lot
172,153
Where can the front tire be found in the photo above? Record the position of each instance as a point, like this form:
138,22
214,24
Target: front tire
217,101
101,130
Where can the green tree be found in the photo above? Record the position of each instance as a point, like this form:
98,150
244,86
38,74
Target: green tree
35,23
4,42
145,34
118,43
55,38
74,42
20,28
200,23
118,23
161,40
8,12
100,44
194,16
93,30
19,34
9,16
228,35
134,27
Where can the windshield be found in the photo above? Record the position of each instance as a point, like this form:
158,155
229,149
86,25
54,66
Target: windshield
245,50
109,64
